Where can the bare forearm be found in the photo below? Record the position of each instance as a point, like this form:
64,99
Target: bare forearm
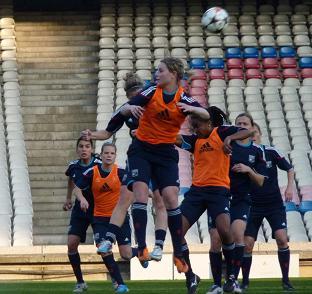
70,188
241,135
78,193
256,178
290,178
100,135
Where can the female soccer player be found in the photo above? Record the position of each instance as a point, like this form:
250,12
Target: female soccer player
152,153
133,85
210,188
267,202
79,220
104,181
247,167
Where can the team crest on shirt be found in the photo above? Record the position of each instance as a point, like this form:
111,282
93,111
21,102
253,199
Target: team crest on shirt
163,115
205,148
134,173
252,158
106,188
268,164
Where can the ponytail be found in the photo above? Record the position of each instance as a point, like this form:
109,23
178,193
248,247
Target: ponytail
217,116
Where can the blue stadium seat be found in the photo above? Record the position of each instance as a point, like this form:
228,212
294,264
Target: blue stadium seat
250,52
183,190
287,52
290,206
233,53
305,206
268,52
215,63
197,63
305,62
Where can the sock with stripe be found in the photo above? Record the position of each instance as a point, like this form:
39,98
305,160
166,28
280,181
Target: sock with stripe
134,252
113,268
186,255
139,215
160,236
74,259
284,258
228,253
216,267
175,228
112,233
238,258
246,265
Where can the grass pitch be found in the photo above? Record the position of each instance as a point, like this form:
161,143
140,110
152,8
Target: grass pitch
259,286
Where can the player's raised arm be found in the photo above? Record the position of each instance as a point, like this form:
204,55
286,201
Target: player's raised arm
84,205
70,187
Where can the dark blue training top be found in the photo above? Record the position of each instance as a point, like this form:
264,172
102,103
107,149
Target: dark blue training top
75,172
251,155
269,195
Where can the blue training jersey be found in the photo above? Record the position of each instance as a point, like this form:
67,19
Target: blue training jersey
269,194
75,172
251,155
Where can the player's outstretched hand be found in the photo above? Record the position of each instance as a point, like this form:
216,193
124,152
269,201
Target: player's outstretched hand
289,194
86,134
184,107
136,111
84,205
227,148
67,205
241,168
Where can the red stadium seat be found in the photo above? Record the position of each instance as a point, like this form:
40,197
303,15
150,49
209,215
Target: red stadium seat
290,73
253,73
234,63
197,91
306,73
217,74
235,74
252,63
197,74
270,63
199,84
272,73
288,62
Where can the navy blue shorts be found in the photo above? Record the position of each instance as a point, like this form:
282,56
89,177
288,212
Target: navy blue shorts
214,200
100,226
159,163
240,210
79,222
275,217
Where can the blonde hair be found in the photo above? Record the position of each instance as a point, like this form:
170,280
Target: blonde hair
174,65
132,82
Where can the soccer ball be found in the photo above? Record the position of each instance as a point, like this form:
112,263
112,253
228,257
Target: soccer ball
215,19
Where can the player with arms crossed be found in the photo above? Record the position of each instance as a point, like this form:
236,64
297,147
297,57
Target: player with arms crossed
79,220
210,190
152,153
133,86
267,202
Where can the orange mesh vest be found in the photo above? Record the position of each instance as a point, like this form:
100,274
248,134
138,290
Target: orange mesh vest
211,164
161,122
105,191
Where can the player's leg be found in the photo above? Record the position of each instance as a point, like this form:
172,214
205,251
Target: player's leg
99,230
161,224
76,234
215,257
278,222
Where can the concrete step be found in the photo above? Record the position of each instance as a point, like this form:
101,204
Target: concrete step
64,67
55,128
22,37
56,239
91,90
57,54
39,136
49,161
57,27
57,118
56,76
59,109
49,193
43,145
49,61
56,46
56,222
55,85
58,82
48,206
31,18
50,70
55,32
53,230
50,98
51,153
48,184
86,102
48,177
47,214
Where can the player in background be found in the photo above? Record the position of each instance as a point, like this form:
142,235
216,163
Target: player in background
247,167
152,153
79,220
210,190
133,86
267,202
104,181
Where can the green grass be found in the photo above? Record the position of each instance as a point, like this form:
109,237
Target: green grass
303,286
